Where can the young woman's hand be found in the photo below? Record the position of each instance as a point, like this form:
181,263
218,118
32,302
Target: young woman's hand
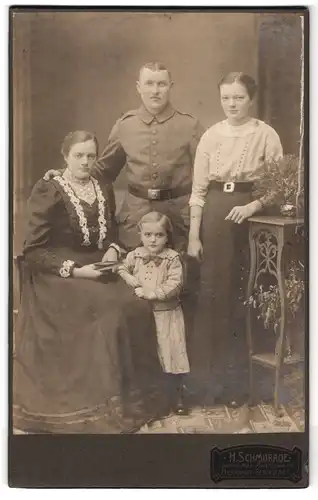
195,249
50,174
240,213
88,272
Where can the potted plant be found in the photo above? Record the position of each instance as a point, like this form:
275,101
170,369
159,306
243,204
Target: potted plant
267,301
279,180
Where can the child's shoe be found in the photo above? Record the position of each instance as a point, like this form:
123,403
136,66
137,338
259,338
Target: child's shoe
180,406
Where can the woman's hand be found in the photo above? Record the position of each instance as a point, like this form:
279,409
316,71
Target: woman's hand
139,292
195,249
88,272
240,213
110,256
50,174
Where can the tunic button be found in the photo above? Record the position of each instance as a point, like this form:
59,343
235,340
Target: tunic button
154,142
154,131
155,175
154,164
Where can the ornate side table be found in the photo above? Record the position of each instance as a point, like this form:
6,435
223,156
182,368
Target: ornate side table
268,237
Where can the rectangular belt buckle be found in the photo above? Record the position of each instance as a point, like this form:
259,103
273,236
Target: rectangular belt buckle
154,194
229,187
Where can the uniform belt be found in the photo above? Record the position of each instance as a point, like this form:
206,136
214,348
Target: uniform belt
159,194
230,187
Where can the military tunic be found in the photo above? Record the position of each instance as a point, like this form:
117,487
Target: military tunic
158,152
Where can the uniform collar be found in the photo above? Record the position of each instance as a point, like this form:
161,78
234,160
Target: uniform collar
165,115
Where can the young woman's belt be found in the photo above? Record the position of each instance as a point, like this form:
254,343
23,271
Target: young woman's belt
159,194
230,187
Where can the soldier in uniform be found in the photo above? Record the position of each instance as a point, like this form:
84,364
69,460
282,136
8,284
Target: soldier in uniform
157,144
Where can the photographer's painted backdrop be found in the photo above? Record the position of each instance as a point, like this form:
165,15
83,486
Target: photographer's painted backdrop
77,70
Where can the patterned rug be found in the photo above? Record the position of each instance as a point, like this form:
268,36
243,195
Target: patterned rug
260,418
223,420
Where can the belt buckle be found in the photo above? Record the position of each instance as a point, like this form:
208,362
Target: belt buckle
154,194
229,187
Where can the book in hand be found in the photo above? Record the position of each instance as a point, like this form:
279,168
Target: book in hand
106,267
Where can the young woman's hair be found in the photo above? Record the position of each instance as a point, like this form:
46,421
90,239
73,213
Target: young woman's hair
164,222
76,137
239,77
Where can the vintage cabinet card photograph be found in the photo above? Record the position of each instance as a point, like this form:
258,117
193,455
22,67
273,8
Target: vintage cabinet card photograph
159,276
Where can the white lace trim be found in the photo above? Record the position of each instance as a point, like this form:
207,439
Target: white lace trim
101,211
65,270
80,212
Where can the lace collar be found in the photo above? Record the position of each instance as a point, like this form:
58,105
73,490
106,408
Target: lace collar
82,220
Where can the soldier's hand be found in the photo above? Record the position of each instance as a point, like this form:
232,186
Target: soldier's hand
195,249
50,174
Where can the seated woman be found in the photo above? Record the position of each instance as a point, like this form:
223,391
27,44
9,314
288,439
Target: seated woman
84,342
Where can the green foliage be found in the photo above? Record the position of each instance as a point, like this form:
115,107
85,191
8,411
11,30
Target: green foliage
268,302
279,180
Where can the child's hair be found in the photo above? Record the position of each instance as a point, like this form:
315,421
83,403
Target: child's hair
163,220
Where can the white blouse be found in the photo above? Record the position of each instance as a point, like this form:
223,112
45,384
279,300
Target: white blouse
229,153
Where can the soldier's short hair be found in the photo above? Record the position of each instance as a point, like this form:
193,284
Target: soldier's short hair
155,66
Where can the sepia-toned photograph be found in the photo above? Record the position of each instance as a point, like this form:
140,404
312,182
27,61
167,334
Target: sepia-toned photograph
158,169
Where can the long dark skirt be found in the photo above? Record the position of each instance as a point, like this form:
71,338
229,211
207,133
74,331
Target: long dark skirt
217,346
85,357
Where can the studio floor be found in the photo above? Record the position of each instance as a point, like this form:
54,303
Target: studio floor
223,420
220,419
261,418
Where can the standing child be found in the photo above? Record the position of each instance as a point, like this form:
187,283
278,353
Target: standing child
155,271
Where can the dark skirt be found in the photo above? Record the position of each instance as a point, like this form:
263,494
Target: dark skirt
218,336
86,358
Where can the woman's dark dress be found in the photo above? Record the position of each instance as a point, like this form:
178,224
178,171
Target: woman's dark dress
218,349
85,349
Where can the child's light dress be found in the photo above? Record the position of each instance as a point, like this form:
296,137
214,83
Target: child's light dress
163,275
